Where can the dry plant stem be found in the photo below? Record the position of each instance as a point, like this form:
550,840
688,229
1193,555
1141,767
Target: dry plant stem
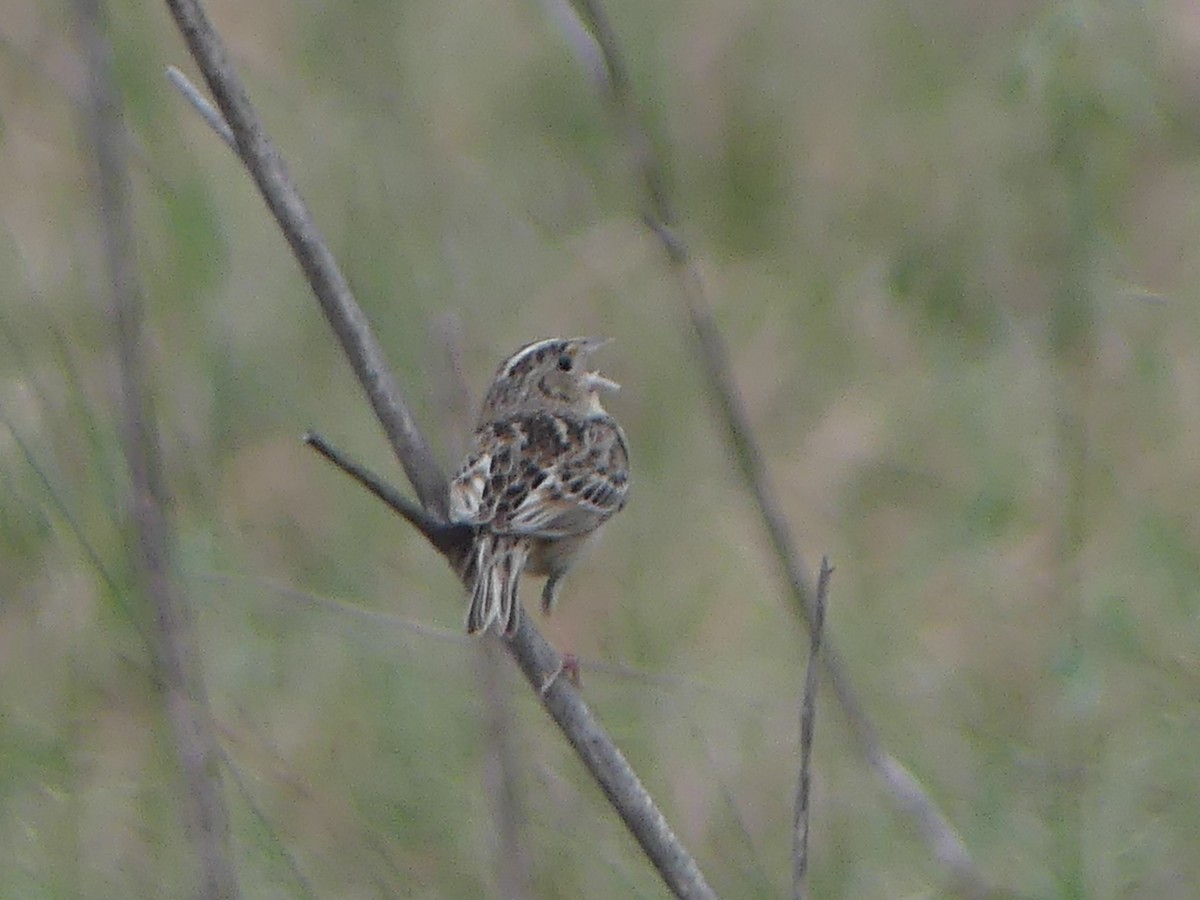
542,667
502,762
207,111
807,720
502,766
537,660
713,358
68,518
205,816
262,158
289,858
451,540
371,618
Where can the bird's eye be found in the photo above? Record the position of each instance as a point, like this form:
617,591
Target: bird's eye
565,362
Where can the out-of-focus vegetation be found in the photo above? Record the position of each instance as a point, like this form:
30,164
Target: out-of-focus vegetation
953,247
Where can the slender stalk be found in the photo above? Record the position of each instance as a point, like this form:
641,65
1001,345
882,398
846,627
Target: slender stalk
712,357
266,165
173,640
540,663
502,767
807,720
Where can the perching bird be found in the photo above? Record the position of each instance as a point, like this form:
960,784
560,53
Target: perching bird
548,466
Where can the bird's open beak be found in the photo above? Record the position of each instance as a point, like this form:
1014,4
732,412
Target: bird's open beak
597,382
594,380
592,344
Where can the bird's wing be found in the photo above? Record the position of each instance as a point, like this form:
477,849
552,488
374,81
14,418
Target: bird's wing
543,474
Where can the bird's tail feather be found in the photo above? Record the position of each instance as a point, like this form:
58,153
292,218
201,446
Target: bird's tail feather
496,565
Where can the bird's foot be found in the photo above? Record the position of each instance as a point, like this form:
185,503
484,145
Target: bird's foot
569,666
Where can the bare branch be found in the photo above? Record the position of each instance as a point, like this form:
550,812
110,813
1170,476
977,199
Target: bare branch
173,640
514,880
502,757
713,359
807,719
537,660
207,111
542,667
266,166
450,540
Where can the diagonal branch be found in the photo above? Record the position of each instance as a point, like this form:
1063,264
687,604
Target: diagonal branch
270,173
807,720
451,540
539,662
713,358
503,751
206,818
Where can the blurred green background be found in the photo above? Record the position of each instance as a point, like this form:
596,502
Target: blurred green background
952,247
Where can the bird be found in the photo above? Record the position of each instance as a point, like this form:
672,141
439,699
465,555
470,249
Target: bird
546,468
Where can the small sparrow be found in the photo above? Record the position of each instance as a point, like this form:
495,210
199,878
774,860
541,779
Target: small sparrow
548,466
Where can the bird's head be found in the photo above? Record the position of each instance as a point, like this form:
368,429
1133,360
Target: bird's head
550,374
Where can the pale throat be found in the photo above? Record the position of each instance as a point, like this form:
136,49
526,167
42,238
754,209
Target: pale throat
593,404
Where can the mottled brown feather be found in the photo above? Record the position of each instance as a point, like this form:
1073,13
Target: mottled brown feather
548,466
541,476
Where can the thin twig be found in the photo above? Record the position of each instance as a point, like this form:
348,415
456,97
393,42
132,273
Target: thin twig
502,767
76,530
667,684
807,720
205,817
542,667
754,877
373,862
372,618
713,359
502,760
449,539
289,858
539,662
83,413
207,111
262,159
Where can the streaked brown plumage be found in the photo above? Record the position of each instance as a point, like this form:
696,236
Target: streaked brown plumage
547,468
